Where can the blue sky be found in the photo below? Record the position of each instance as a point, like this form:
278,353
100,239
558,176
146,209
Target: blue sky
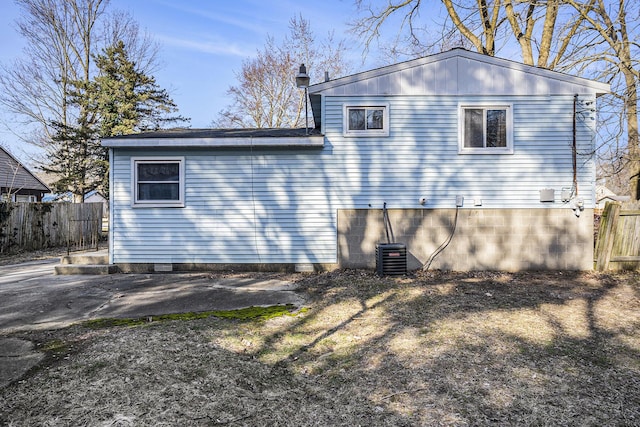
203,43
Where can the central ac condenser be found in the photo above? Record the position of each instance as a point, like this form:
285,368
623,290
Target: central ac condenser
391,259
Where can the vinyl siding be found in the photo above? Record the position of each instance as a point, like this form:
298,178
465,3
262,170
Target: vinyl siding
420,157
458,73
14,176
280,205
238,208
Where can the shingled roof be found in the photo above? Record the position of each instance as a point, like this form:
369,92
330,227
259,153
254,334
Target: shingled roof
14,176
220,138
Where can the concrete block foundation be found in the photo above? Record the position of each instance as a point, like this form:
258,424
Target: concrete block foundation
483,239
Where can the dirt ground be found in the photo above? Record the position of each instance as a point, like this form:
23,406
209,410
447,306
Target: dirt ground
436,348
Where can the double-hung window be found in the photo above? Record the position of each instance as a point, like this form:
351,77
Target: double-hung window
485,129
366,120
158,182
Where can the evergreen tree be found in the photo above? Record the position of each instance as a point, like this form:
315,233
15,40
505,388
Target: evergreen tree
120,100
128,100
79,160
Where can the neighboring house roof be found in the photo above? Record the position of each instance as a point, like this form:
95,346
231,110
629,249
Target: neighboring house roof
222,138
68,196
604,194
455,72
15,176
63,197
94,194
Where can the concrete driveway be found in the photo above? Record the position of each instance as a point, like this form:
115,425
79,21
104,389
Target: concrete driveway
32,297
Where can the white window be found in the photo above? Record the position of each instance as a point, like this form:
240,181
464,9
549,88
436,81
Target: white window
366,120
485,129
24,198
158,182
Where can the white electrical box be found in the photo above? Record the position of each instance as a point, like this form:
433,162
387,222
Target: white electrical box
459,201
547,195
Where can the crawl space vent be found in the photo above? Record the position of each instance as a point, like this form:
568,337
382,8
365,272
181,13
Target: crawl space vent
391,259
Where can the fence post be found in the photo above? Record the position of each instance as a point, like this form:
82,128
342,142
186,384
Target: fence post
606,235
68,235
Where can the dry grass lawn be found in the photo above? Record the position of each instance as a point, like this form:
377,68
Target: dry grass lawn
437,349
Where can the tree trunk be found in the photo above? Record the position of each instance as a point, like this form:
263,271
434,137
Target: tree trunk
633,147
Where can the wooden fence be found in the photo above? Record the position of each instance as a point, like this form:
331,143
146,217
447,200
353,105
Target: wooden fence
32,226
618,243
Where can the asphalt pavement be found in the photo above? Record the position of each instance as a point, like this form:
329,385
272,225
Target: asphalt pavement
33,297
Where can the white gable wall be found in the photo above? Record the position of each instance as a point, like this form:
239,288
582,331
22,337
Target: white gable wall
459,72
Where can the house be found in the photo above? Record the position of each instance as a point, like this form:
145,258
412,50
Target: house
66,197
604,195
482,163
93,196
17,183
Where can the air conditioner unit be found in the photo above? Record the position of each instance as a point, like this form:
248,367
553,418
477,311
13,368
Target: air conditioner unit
391,259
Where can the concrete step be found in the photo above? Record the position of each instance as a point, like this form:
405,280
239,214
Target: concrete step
89,259
89,269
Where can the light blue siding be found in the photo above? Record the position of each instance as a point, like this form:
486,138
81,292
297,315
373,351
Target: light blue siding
280,205
420,156
239,207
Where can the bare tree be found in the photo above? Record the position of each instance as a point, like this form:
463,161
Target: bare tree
555,41
544,40
490,22
618,63
266,95
142,49
61,38
475,24
415,33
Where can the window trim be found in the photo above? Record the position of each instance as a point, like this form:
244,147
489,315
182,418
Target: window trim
366,132
30,198
508,107
136,203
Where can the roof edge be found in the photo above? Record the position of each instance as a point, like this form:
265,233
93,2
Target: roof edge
19,163
197,142
599,87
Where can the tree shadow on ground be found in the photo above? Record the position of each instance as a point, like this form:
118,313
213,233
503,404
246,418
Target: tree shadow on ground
474,348
433,349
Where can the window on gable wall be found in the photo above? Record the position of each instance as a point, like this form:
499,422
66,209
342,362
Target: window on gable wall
485,129
366,120
158,182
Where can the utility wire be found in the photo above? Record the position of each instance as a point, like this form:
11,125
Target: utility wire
387,224
444,244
